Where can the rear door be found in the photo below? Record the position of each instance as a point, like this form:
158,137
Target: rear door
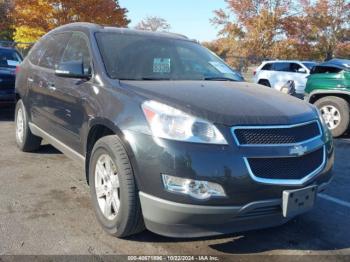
41,79
66,103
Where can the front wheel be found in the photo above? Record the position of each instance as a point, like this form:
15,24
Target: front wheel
25,140
336,113
264,82
113,188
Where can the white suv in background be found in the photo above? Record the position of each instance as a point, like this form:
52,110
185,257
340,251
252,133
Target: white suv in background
277,73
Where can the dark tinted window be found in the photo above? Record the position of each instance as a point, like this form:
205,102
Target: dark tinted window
267,67
285,67
294,67
137,57
77,50
9,58
54,46
325,70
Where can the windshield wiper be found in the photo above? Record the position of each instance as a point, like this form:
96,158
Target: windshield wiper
219,78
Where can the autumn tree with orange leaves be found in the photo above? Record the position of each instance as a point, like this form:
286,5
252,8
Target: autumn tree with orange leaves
283,29
323,28
33,18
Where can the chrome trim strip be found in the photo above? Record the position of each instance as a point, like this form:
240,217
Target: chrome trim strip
57,144
294,182
233,129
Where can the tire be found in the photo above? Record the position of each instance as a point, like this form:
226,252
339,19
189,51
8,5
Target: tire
343,108
128,219
26,141
264,82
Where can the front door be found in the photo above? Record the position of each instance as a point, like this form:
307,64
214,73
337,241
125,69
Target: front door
67,102
299,75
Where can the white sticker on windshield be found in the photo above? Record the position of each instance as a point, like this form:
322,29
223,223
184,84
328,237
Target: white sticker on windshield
221,67
161,65
12,62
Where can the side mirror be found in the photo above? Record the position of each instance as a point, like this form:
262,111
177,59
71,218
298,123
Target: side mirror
71,70
302,70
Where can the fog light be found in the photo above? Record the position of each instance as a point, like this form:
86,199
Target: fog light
193,188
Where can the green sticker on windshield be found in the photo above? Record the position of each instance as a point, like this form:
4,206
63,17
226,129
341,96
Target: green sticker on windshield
161,65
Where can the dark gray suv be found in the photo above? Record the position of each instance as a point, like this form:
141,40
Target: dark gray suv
169,136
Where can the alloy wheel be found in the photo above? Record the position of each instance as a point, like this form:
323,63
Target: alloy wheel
107,187
331,116
20,125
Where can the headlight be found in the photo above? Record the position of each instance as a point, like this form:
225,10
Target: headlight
170,123
194,188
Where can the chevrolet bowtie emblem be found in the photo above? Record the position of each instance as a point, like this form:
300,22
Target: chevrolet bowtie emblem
298,150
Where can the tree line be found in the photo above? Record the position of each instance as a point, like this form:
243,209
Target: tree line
254,29
283,29
28,20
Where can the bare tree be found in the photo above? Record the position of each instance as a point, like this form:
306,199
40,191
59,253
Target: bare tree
153,23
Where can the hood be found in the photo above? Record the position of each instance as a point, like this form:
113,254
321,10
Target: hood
228,103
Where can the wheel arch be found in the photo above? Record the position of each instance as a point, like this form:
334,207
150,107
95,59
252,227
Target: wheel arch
264,81
316,95
98,128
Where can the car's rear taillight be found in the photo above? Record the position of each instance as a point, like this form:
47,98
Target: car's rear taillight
18,68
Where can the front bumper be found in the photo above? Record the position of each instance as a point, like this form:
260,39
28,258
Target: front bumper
224,165
183,220
249,204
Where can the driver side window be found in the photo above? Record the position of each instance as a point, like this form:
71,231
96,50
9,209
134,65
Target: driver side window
77,50
295,68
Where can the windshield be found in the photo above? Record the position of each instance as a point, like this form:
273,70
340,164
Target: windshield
309,65
139,57
9,58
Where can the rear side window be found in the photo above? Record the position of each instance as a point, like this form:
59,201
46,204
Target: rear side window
282,67
267,67
77,50
325,70
54,46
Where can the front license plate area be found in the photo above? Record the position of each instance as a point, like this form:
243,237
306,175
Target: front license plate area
295,202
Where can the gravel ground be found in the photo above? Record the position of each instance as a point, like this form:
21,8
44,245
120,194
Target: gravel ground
45,210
